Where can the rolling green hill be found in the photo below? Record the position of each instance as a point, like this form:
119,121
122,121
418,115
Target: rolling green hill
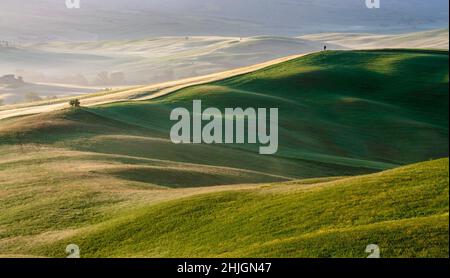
404,211
341,113
109,179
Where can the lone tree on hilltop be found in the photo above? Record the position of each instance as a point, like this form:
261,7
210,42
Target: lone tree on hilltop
74,103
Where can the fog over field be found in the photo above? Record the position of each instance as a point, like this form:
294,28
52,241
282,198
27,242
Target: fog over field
135,19
60,51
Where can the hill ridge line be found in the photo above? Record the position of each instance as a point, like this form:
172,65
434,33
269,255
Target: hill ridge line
158,89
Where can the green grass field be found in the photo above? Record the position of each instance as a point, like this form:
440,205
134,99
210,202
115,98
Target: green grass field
108,178
310,219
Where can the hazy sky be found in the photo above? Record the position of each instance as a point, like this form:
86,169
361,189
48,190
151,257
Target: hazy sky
122,19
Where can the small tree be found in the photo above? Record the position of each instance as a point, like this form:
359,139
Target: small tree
74,103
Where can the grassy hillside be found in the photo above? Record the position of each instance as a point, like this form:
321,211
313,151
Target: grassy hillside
348,106
341,113
404,211
142,61
109,179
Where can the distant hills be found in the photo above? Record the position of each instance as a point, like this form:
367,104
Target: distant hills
11,80
135,19
436,39
79,67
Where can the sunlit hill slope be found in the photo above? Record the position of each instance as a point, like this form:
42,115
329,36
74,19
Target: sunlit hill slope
108,178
